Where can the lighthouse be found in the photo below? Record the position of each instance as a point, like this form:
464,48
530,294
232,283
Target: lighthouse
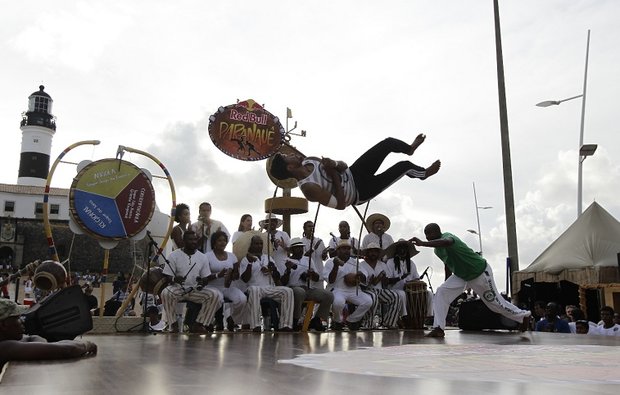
38,126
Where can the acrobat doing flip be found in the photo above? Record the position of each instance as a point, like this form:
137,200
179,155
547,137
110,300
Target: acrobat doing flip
334,184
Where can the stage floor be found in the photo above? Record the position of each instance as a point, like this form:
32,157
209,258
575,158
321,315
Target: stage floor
388,362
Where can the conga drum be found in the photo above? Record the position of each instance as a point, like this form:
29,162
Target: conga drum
49,276
416,303
154,281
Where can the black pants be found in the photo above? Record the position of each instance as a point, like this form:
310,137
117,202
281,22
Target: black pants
368,183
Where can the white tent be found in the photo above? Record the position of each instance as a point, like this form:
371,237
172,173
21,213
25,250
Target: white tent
586,253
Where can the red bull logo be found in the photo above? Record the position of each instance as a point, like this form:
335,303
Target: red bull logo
246,131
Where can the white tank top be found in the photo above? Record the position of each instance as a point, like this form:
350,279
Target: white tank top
320,177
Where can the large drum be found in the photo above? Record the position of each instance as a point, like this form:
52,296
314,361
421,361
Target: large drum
50,275
416,303
154,281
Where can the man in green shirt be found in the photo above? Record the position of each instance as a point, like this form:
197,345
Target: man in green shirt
469,269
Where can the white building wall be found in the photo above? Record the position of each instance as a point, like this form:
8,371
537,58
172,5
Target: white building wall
25,205
37,139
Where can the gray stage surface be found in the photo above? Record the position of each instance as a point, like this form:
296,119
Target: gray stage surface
380,362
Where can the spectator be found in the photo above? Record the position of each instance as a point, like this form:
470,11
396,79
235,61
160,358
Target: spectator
93,304
577,326
607,327
552,322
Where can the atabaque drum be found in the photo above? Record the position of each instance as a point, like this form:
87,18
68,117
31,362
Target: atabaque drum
50,275
154,281
416,303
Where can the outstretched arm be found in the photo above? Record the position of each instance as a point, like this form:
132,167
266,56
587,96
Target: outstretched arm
432,243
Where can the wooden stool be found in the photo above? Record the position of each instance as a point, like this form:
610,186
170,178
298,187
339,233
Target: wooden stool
309,310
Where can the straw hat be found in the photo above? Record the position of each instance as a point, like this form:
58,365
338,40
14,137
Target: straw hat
391,250
242,244
268,218
377,217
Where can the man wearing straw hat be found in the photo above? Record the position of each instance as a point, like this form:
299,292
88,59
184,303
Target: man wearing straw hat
15,346
335,184
376,225
377,284
342,275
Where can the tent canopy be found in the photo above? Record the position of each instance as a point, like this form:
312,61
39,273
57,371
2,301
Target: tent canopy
586,253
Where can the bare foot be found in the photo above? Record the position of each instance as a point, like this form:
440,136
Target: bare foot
417,142
432,169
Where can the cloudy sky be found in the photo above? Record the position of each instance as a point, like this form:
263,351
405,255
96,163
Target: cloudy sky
147,74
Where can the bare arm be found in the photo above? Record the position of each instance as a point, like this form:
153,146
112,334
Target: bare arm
13,350
177,236
432,243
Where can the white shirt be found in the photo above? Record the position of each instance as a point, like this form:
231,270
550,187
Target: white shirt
302,267
592,330
384,240
348,267
392,272
258,278
216,266
208,231
613,331
379,267
188,266
280,254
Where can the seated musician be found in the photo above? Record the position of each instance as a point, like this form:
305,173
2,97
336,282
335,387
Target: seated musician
377,285
15,346
186,267
402,269
263,280
343,277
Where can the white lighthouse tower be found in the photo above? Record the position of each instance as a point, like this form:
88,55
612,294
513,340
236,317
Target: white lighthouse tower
38,127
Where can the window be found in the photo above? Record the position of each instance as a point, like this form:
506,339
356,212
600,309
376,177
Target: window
9,206
38,208
54,208
40,104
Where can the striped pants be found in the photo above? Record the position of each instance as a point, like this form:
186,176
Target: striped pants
210,299
283,295
394,306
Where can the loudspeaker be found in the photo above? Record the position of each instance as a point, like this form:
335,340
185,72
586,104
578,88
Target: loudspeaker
61,316
474,315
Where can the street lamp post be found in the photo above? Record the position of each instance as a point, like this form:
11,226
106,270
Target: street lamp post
479,233
584,150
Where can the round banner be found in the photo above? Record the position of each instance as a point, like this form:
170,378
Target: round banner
111,199
246,131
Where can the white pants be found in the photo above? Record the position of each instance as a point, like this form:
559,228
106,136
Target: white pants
362,300
238,301
283,295
210,300
483,285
